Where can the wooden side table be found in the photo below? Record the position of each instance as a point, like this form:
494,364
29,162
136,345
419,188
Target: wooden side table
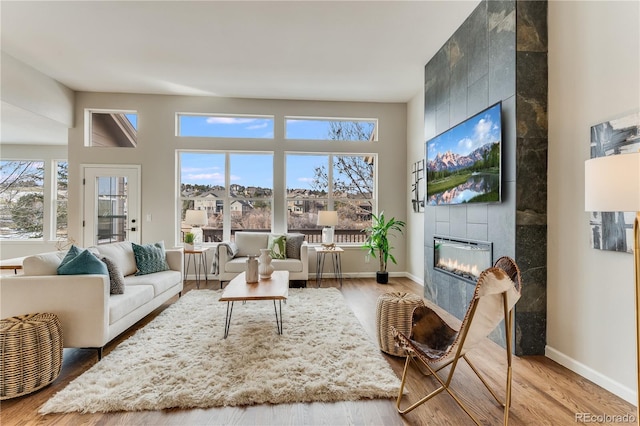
199,256
336,260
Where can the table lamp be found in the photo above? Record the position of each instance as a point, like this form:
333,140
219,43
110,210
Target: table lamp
612,184
328,219
197,219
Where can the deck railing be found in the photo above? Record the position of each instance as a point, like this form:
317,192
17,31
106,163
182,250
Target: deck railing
312,236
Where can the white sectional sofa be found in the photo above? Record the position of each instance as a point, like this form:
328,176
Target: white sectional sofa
249,243
90,316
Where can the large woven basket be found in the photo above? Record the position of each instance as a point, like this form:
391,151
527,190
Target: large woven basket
394,309
30,353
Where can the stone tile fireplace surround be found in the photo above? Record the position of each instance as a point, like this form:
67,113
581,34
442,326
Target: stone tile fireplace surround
498,54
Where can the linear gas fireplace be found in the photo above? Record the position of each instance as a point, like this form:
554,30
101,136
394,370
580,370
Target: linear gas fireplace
464,259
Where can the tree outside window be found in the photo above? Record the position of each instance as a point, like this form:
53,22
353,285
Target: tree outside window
21,199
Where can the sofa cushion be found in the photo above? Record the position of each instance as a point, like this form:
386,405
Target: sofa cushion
150,258
42,264
160,281
294,242
250,243
116,279
277,245
84,263
122,255
72,253
122,304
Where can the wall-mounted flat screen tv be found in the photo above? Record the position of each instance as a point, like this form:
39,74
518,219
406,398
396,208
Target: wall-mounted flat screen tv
464,162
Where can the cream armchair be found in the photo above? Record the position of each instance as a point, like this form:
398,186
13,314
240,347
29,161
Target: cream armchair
230,259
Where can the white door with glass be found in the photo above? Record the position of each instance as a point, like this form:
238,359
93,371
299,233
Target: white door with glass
111,204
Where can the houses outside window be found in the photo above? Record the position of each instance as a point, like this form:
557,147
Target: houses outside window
218,182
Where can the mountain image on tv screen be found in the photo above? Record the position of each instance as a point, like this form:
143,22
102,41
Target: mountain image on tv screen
463,163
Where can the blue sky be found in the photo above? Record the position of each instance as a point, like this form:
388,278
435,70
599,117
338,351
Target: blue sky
469,135
249,169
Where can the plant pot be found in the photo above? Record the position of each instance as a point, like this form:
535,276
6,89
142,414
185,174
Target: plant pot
382,277
188,247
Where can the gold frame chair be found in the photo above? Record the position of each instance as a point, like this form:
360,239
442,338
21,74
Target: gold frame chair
436,345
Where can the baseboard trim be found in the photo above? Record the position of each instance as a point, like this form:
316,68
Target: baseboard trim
589,373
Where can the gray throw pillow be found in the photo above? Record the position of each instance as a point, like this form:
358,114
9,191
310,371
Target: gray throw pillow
294,242
116,278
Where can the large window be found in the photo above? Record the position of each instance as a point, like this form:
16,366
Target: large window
22,200
225,126
219,182
25,191
341,182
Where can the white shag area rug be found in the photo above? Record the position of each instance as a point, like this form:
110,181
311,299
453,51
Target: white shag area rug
180,360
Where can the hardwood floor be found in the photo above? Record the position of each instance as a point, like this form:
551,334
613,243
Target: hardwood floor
544,393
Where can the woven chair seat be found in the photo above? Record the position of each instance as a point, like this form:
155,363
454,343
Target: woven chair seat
30,353
394,309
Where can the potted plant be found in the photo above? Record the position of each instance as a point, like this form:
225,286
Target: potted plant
189,238
377,243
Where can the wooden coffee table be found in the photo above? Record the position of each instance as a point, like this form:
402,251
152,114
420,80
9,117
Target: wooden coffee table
238,290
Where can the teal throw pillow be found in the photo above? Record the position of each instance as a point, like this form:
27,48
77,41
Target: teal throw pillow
84,263
277,246
150,258
71,254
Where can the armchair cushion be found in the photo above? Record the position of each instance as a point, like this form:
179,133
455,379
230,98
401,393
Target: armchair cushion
294,243
277,246
250,243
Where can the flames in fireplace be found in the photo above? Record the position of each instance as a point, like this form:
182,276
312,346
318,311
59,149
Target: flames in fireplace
458,268
464,259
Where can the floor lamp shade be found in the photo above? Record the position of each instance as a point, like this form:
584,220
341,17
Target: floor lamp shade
328,219
612,184
197,219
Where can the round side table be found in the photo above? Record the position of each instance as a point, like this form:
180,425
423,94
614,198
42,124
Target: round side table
30,353
394,309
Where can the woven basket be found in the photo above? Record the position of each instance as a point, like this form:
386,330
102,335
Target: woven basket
30,353
394,309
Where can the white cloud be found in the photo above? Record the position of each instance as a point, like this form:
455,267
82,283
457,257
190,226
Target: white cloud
258,126
305,179
230,120
215,178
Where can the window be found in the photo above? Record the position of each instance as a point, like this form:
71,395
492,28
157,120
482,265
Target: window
60,199
340,129
111,128
22,200
341,182
219,182
225,126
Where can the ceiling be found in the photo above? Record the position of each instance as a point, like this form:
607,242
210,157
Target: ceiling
312,50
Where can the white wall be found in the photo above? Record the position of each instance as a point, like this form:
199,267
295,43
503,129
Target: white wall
415,221
157,145
594,75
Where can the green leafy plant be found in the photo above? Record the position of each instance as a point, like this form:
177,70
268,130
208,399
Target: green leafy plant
189,238
377,244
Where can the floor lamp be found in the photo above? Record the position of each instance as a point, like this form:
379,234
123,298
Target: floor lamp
612,184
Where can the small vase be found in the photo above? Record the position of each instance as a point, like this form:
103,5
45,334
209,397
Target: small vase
252,269
265,269
188,247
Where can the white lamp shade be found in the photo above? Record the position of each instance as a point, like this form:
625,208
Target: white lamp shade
612,183
327,218
196,217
